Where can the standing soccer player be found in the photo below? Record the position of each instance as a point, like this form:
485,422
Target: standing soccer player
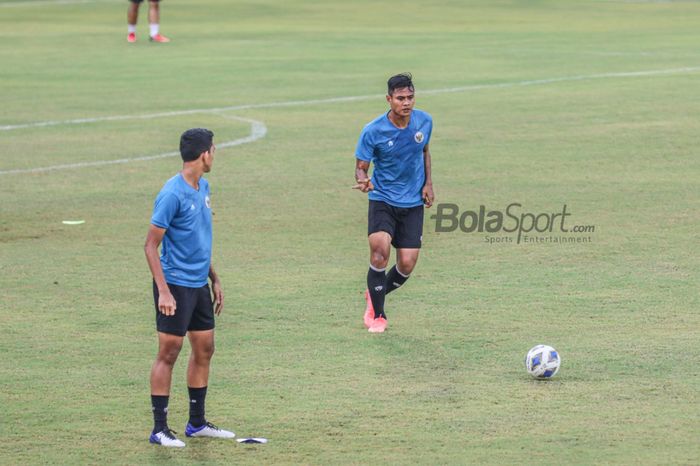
397,143
181,221
132,16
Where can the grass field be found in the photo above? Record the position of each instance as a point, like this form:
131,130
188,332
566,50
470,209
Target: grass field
592,104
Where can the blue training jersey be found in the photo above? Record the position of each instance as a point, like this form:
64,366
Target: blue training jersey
185,214
397,154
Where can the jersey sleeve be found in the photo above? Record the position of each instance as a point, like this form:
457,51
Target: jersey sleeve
164,209
365,146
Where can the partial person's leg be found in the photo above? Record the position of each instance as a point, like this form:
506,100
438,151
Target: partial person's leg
380,249
405,263
132,13
154,21
202,343
132,16
161,376
408,240
154,12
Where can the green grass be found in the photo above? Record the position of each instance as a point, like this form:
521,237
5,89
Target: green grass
446,384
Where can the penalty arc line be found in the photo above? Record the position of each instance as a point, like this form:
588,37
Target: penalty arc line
258,130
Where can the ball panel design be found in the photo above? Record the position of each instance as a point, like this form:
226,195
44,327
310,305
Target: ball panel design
542,362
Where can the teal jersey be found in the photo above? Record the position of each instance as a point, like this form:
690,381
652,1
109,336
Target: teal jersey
397,154
185,214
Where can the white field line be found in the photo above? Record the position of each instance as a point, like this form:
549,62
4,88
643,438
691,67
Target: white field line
258,130
331,100
49,3
535,82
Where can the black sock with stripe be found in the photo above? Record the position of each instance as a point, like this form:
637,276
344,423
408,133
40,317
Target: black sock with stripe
394,279
159,405
197,396
376,284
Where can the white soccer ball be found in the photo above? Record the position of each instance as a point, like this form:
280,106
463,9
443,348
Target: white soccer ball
542,362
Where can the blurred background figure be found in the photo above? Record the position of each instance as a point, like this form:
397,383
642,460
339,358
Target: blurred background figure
132,17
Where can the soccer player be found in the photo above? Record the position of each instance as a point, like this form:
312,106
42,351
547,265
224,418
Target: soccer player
181,221
132,16
397,142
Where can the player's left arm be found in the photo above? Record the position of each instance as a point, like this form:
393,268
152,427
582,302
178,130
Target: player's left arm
428,194
216,289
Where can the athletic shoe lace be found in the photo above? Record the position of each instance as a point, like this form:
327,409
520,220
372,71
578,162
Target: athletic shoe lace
169,433
212,426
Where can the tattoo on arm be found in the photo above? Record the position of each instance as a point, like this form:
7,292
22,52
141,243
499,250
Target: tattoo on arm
361,168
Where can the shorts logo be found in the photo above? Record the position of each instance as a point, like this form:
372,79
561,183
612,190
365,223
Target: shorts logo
378,288
419,137
207,202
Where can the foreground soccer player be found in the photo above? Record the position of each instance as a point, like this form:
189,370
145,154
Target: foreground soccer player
397,143
182,222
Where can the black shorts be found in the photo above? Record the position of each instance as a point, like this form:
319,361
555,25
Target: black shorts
194,310
141,1
405,225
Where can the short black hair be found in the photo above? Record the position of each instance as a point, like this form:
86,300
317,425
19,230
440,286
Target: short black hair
195,141
399,82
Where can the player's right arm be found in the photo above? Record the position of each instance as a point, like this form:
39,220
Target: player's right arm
361,177
363,156
166,301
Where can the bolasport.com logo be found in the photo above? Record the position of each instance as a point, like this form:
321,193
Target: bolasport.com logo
514,224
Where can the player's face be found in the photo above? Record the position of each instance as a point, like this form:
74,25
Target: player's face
208,158
402,101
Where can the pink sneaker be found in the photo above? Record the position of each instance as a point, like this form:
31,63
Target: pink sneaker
369,310
159,38
131,37
378,326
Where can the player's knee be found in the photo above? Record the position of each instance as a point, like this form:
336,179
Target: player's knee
406,266
169,353
379,259
203,352
208,351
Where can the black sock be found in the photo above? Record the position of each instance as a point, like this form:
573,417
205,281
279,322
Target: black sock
394,279
376,285
197,396
159,405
